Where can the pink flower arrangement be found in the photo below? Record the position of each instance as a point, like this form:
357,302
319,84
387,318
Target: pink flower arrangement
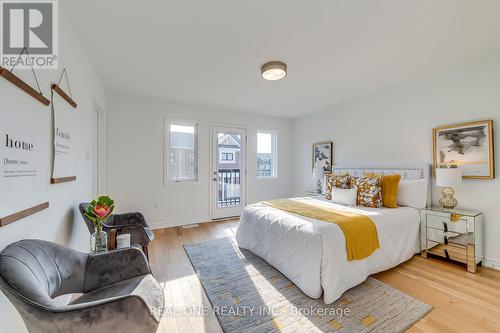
102,211
99,210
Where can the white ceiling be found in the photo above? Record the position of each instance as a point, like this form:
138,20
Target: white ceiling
209,52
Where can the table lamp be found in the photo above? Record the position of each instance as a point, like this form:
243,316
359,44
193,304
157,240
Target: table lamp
318,174
448,178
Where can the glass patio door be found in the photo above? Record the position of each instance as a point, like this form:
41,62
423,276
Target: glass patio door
228,171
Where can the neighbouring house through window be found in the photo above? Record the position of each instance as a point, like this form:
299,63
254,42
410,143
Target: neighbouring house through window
266,154
182,140
226,156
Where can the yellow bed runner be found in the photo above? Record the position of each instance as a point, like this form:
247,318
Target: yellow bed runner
359,230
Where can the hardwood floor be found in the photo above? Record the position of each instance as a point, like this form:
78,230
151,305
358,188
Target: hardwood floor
463,302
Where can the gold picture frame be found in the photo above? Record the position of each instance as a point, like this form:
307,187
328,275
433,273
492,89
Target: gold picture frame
469,145
318,153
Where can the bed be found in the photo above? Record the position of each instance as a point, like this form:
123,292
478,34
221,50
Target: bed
312,253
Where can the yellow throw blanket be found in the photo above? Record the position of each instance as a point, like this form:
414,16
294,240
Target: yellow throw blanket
359,230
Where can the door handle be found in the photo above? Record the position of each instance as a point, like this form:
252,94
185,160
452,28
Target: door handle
215,179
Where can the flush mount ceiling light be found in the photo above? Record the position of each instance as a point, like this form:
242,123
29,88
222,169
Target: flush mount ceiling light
274,70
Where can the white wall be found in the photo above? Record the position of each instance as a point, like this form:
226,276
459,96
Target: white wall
61,222
394,126
135,135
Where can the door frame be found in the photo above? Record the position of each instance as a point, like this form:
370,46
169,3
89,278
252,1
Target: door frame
213,165
98,152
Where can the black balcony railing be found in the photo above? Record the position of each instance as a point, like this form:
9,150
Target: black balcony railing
229,188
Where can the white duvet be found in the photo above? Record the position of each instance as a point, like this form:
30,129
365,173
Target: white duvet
312,253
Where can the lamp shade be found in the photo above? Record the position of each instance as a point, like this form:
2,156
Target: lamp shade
318,173
450,177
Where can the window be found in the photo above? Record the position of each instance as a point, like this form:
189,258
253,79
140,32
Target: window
226,156
182,141
172,156
266,154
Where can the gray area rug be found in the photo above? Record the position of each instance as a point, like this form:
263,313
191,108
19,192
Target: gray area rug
249,295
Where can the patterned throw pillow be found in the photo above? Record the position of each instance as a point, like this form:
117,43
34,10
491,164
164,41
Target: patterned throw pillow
337,181
369,191
390,186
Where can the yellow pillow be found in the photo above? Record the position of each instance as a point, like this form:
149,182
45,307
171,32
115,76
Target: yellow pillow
390,184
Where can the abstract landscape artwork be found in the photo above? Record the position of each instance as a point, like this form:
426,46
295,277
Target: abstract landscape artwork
322,156
468,146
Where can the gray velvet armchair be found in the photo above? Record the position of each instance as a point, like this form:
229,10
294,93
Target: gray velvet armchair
128,223
119,292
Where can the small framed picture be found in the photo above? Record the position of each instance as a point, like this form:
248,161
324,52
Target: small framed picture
322,156
468,146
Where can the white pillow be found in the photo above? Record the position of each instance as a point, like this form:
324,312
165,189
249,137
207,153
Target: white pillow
345,196
413,193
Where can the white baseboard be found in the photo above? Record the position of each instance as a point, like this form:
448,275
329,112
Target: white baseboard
491,263
188,221
178,223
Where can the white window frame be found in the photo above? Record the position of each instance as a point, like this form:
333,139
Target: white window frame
166,150
274,153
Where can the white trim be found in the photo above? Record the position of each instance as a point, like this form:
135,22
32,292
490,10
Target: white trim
179,222
95,155
101,143
491,263
187,221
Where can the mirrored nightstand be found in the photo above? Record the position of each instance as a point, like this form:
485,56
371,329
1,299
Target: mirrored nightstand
452,234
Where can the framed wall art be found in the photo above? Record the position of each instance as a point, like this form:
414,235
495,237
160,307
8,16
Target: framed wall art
322,156
63,105
469,146
24,154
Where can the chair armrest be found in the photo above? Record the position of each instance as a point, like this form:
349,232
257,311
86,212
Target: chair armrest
139,234
107,268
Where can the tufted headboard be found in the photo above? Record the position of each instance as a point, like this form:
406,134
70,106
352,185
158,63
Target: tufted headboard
409,173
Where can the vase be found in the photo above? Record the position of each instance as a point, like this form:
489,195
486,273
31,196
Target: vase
99,241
